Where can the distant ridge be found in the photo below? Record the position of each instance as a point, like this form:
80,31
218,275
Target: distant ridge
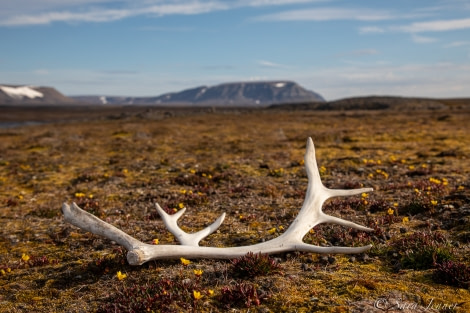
379,103
32,95
251,94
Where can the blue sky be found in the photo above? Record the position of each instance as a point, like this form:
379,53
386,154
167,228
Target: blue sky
149,47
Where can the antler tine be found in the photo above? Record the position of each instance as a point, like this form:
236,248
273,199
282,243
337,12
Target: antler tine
171,222
311,213
84,220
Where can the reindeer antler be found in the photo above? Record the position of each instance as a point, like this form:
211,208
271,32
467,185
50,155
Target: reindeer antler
310,215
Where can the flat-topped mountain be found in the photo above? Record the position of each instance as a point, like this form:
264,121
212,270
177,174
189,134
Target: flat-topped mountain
228,94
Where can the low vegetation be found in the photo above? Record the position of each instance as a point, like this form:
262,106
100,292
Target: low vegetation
248,164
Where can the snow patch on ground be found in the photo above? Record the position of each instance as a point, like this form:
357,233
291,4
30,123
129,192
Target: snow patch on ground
103,100
21,92
279,85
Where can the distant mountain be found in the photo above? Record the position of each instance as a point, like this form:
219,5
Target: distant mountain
32,95
256,94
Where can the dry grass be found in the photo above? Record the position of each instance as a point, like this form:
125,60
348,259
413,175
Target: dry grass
247,164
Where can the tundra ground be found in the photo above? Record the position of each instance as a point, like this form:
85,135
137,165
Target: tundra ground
247,163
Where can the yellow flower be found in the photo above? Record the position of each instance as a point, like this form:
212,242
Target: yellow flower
184,261
120,275
364,195
79,195
197,295
395,204
180,205
281,227
433,202
155,241
460,188
411,167
197,272
192,171
405,220
3,272
25,257
211,292
90,196
272,231
390,211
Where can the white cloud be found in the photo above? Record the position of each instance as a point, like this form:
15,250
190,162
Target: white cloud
328,14
107,15
361,52
40,12
270,64
457,44
422,39
371,30
416,80
41,72
435,26
256,3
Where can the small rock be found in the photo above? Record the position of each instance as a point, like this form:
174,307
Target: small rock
324,259
352,259
363,257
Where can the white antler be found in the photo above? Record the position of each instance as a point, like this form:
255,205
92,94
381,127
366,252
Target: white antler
310,215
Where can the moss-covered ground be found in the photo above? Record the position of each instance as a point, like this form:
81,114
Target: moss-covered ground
249,165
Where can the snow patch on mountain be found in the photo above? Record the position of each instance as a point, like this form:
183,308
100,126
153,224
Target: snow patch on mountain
21,92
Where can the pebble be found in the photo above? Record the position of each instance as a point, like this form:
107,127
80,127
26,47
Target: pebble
324,259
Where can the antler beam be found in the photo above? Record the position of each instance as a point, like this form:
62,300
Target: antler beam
310,215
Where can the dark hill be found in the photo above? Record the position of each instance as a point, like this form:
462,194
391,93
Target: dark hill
32,95
379,103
